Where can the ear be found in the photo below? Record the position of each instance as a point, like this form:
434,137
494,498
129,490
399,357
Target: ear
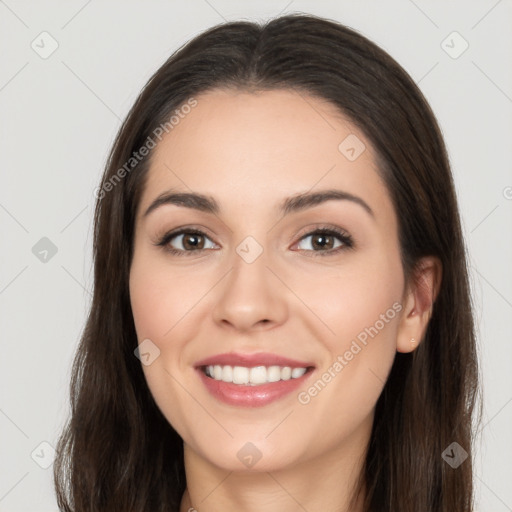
418,302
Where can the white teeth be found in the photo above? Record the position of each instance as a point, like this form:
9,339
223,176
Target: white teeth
286,373
240,375
258,375
298,372
253,376
217,372
227,373
273,373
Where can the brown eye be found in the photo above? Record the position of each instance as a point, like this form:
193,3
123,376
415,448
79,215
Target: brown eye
186,240
192,241
323,240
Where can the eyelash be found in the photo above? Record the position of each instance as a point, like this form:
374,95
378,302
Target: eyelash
345,238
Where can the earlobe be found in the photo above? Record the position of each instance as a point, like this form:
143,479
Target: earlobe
419,300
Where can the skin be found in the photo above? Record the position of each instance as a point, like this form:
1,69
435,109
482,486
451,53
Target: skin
250,151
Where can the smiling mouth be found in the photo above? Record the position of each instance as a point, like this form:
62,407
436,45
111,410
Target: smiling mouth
253,376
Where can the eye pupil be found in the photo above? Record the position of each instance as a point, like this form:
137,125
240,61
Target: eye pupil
321,237
195,244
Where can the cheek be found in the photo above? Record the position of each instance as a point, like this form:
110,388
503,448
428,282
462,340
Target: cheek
361,308
159,299
159,304
359,355
365,317
355,299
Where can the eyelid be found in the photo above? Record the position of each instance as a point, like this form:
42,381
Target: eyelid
192,228
310,229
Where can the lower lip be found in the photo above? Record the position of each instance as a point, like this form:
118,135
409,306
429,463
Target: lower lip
251,396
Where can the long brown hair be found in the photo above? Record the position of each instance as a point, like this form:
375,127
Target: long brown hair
117,451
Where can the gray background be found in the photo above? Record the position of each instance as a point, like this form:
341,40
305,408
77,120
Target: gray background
59,115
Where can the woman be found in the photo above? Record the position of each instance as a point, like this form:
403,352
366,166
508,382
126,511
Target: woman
226,364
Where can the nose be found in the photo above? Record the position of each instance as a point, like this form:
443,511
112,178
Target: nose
251,296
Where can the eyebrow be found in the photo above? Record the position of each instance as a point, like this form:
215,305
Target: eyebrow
291,204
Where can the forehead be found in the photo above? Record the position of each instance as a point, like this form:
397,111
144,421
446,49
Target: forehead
253,149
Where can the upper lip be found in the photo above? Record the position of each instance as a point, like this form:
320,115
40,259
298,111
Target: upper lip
250,360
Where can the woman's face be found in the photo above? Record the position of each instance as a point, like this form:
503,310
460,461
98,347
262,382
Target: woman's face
259,287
